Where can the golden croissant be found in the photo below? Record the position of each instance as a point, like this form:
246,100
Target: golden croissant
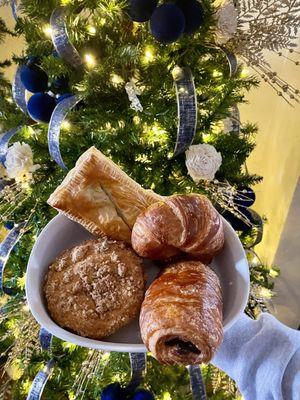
181,316
179,224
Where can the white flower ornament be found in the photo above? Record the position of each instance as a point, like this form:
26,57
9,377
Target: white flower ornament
202,161
19,162
227,21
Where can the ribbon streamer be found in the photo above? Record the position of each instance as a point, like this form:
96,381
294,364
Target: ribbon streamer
40,381
58,115
14,9
187,108
60,38
4,142
232,61
235,119
197,384
138,362
45,339
18,91
5,249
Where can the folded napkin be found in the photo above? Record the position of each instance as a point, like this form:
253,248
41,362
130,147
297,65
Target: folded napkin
263,357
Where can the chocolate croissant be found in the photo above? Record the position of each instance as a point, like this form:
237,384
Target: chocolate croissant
180,223
181,316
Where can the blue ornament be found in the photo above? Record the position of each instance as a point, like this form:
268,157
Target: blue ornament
34,78
237,223
141,10
245,197
112,392
167,23
64,96
193,14
142,394
9,225
40,107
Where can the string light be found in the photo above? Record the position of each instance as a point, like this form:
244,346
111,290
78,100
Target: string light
245,72
90,60
66,125
217,74
91,30
149,55
116,79
47,30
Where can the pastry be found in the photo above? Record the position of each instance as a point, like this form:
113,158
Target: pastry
179,224
101,197
181,316
95,288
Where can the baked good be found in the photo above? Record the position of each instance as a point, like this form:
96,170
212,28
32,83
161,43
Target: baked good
180,223
181,315
95,288
101,197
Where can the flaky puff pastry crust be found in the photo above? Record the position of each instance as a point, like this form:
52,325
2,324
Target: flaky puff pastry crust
181,316
180,223
101,197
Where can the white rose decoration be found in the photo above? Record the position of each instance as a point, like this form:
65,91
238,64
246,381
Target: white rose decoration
202,161
227,21
19,162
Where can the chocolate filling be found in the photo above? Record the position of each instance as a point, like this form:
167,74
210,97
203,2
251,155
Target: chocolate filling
183,347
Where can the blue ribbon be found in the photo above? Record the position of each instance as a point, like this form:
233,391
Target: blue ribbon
4,142
197,384
18,91
14,9
60,38
5,249
58,115
187,110
232,61
40,381
45,339
138,363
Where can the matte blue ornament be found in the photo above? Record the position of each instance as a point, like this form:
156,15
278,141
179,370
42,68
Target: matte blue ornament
237,223
9,225
141,10
40,107
64,96
193,14
112,392
143,394
34,78
167,23
245,197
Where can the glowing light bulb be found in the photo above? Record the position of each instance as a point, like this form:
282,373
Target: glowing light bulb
92,30
66,125
217,73
149,55
47,30
116,79
245,72
90,60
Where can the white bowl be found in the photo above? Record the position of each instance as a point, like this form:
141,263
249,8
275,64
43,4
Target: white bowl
61,233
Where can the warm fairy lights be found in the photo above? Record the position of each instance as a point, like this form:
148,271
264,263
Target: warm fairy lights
91,30
66,125
47,30
149,55
90,60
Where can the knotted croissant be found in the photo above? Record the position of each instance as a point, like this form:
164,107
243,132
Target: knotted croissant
181,316
180,223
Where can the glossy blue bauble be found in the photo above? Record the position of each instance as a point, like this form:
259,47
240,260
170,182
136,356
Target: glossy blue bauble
141,10
237,223
64,96
9,225
34,78
40,107
112,392
193,14
142,394
167,23
245,198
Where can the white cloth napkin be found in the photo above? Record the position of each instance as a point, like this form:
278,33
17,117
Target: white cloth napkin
263,357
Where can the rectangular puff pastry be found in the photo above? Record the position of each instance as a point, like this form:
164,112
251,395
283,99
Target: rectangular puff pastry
97,194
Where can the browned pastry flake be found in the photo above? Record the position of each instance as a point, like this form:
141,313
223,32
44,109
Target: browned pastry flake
181,316
95,288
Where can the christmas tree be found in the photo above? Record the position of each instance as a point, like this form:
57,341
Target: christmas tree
119,77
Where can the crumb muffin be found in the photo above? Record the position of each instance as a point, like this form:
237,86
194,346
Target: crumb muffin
95,288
